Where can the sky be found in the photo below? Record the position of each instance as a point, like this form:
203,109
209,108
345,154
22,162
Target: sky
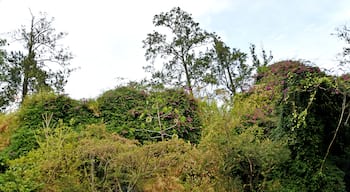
105,36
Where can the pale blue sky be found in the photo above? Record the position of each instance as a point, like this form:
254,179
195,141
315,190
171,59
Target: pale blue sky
106,35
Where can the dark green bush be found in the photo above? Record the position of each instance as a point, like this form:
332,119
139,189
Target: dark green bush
176,109
309,108
150,115
120,108
31,119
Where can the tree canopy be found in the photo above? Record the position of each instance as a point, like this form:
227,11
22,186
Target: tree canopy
185,62
42,65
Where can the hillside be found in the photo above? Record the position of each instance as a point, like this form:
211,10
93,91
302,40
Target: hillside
288,132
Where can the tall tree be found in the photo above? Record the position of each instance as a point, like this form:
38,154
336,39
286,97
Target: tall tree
230,67
185,63
44,64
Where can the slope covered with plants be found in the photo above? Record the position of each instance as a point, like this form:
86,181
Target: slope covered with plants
289,132
206,121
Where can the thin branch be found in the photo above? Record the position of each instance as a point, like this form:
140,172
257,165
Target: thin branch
335,134
152,131
42,32
170,127
347,119
251,174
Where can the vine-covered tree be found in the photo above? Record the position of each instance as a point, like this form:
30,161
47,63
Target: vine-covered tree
43,64
185,62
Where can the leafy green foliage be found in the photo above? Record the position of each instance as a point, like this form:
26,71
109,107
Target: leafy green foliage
266,59
97,160
8,80
230,68
309,109
30,119
154,115
119,107
181,111
185,64
246,155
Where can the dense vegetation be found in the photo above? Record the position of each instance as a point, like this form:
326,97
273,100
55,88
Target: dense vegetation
286,128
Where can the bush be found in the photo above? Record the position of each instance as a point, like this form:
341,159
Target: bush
150,115
309,105
96,160
31,119
246,155
119,109
8,124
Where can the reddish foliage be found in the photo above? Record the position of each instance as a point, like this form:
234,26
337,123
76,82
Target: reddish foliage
282,69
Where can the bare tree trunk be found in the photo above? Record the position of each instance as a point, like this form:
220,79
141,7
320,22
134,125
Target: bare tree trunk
28,61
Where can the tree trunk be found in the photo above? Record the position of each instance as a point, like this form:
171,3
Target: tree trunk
188,78
232,86
28,61
25,84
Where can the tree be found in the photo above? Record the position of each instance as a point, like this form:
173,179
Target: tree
8,79
344,34
266,59
230,68
3,76
34,69
185,62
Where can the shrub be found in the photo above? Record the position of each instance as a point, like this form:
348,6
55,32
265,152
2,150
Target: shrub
308,107
97,160
246,155
150,115
30,119
119,108
8,124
